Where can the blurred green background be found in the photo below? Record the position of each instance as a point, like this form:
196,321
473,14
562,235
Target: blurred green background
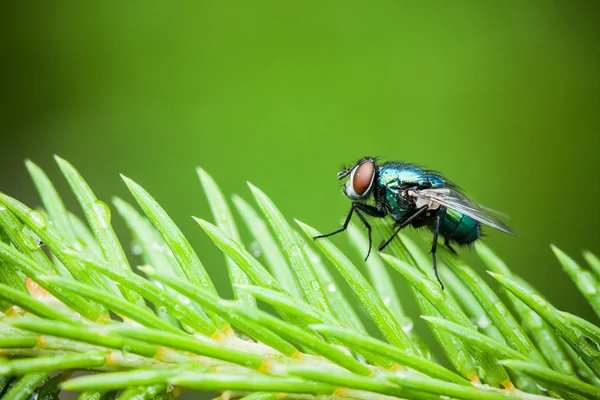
502,96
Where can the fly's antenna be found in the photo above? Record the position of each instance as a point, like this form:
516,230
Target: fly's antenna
343,174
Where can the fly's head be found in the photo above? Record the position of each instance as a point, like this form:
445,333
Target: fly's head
362,176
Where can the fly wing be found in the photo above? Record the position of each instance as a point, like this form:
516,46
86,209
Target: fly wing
494,212
454,200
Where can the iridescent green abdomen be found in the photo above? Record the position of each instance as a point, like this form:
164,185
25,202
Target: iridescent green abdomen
459,228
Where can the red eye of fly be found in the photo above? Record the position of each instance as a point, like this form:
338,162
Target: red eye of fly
363,177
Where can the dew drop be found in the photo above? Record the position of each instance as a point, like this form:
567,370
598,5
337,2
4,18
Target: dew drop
300,239
162,309
331,288
255,249
189,330
37,219
159,285
543,389
178,312
482,322
126,349
295,251
315,285
387,301
408,326
136,248
103,213
184,299
2,208
32,241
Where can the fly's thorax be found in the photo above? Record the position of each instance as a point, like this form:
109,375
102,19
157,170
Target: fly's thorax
388,177
398,182
407,176
404,175
394,200
400,176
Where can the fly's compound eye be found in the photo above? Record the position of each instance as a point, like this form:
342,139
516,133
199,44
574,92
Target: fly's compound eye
361,180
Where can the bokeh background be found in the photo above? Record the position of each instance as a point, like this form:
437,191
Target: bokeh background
502,96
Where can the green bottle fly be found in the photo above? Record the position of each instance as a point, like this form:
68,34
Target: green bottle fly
414,196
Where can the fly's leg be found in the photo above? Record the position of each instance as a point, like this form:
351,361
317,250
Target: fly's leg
368,226
436,233
358,207
441,214
449,246
404,224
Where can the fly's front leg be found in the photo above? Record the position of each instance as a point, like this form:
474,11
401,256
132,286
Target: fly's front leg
359,208
366,223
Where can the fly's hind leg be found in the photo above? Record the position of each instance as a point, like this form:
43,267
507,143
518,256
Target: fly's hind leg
449,246
436,233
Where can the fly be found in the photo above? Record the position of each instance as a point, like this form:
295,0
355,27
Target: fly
414,196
